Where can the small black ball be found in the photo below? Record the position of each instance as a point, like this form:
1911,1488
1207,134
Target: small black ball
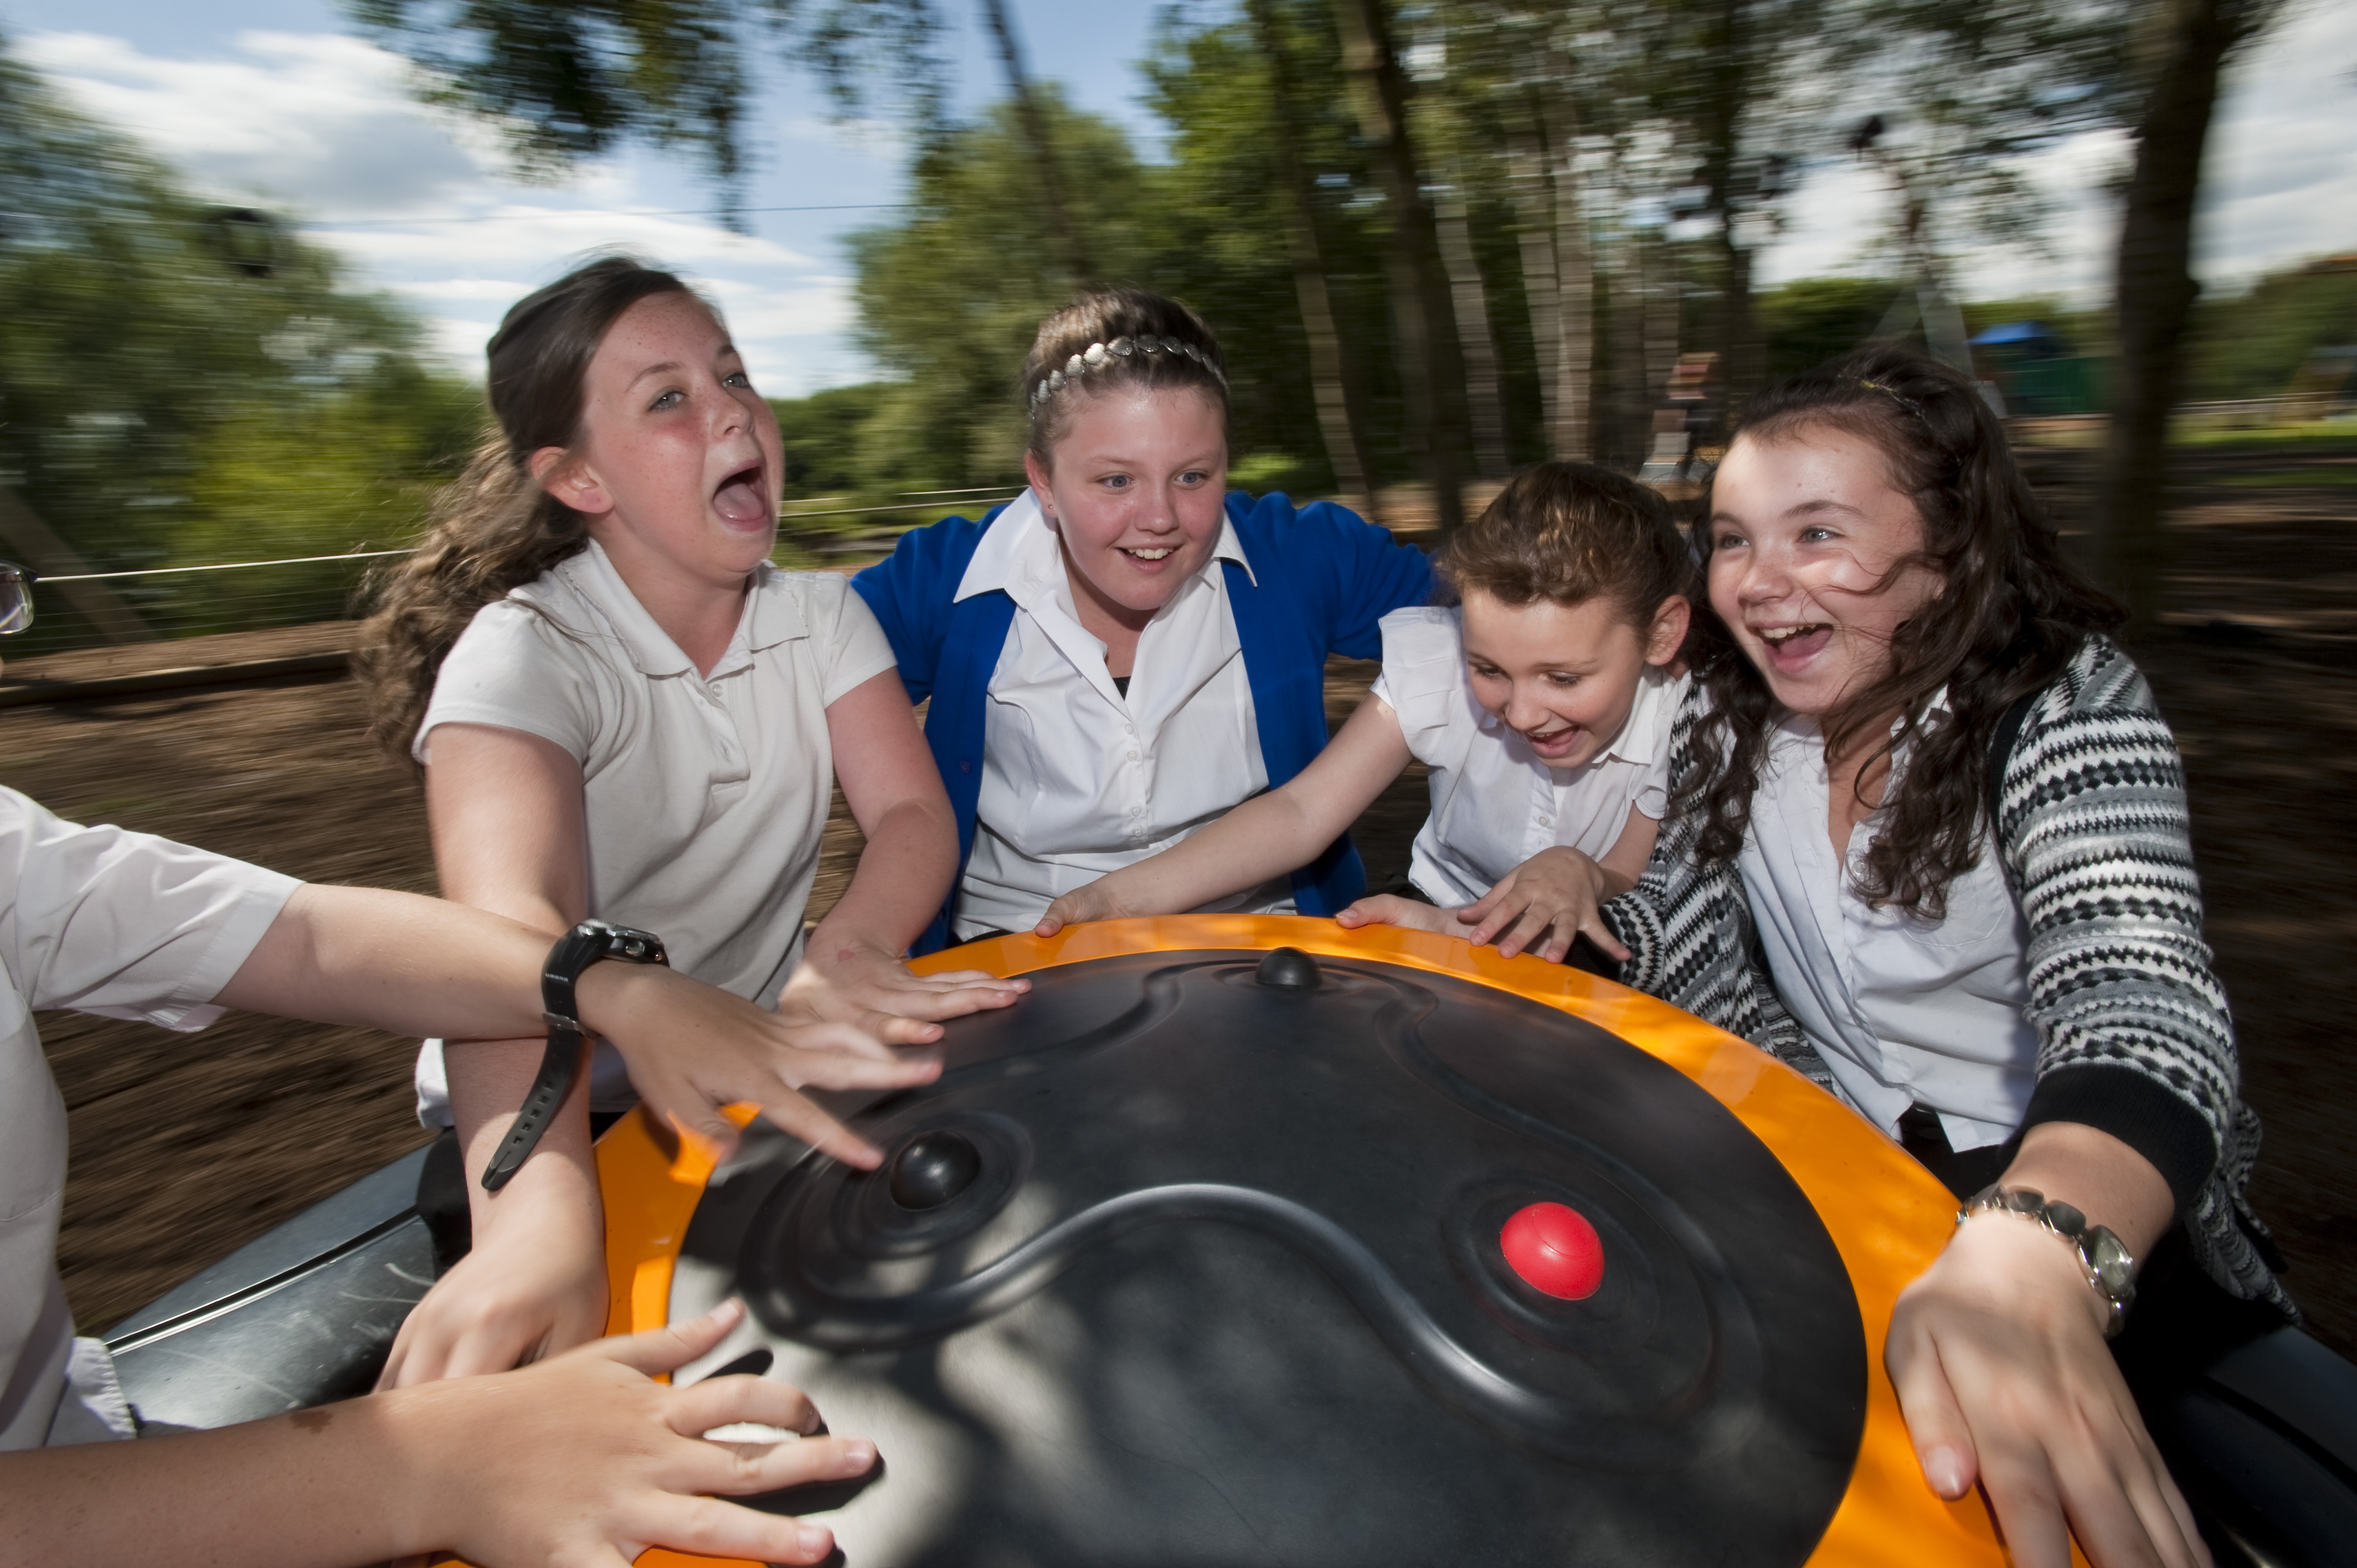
935,1167
1288,969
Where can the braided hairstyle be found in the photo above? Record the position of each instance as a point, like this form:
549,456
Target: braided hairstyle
2011,613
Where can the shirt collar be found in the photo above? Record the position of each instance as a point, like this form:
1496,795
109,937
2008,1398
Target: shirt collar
1018,554
769,617
1646,735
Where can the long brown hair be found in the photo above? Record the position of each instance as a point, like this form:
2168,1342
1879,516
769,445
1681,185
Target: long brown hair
1114,337
1569,533
493,528
2011,613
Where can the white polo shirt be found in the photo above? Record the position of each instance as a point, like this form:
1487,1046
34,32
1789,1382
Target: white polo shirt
1079,779
706,795
1496,802
126,926
1903,1010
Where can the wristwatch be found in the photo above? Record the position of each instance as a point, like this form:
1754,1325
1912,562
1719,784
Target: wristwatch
2103,1254
576,951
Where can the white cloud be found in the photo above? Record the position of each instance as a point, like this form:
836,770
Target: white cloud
425,205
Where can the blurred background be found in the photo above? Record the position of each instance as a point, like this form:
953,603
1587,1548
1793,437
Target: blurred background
250,252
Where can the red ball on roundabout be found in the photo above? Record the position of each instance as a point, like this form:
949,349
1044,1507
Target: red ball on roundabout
1553,1250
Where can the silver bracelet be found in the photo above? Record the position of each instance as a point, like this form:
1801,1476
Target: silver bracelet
2104,1257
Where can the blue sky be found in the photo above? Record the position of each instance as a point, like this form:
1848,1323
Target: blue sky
277,100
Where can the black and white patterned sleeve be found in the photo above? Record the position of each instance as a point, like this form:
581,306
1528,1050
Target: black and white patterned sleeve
2135,1037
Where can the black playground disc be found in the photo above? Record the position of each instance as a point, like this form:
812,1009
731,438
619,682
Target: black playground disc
1189,1260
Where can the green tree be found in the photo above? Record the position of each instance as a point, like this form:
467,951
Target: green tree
179,386
951,295
2256,344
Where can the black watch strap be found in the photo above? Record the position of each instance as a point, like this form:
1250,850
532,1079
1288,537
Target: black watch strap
560,1066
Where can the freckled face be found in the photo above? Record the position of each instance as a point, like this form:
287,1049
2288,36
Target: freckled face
1806,532
1564,676
1135,495
679,465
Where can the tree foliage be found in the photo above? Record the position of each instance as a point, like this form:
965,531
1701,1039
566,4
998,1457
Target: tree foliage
160,404
571,82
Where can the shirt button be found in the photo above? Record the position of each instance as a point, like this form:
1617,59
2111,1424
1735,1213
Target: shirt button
1133,756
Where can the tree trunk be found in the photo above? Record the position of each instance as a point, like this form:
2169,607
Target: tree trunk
1631,409
2156,291
1725,45
1485,402
1572,437
1340,423
1061,232
1432,364
1542,290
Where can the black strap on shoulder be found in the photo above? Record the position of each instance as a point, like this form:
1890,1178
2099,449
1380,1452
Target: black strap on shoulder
2001,745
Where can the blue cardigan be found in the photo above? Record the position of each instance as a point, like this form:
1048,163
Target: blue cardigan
1325,578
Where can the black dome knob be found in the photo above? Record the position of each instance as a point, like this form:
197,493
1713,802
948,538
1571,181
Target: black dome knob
935,1167
1288,969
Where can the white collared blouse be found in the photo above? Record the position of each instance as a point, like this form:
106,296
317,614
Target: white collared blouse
1495,802
706,795
1078,778
126,926
1902,1009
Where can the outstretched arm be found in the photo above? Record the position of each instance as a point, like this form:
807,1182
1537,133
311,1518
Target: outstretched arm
854,971
506,808
581,1460
1266,836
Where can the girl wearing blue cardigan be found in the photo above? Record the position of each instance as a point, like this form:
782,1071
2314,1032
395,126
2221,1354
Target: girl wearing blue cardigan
1122,654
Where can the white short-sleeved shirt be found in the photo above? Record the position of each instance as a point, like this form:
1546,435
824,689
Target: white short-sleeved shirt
1077,779
1903,1010
1495,802
706,795
126,926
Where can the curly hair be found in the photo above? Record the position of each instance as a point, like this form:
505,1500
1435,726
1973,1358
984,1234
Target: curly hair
493,528
2010,614
1569,533
1109,317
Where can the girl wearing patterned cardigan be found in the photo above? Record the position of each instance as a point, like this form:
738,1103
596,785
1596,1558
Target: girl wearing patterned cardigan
2026,1000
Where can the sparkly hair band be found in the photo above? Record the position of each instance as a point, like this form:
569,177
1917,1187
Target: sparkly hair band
1893,393
1096,356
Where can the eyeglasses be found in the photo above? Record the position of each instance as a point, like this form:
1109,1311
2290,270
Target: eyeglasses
16,600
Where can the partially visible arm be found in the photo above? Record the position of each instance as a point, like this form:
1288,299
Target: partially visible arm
1997,1350
855,970
1265,837
582,1459
509,834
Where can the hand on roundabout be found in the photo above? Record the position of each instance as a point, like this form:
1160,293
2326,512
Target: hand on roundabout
1997,1353
583,1460
1541,905
1389,910
710,1050
878,993
1093,901
535,1288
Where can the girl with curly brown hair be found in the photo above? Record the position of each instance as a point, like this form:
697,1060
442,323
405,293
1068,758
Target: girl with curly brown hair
1928,844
